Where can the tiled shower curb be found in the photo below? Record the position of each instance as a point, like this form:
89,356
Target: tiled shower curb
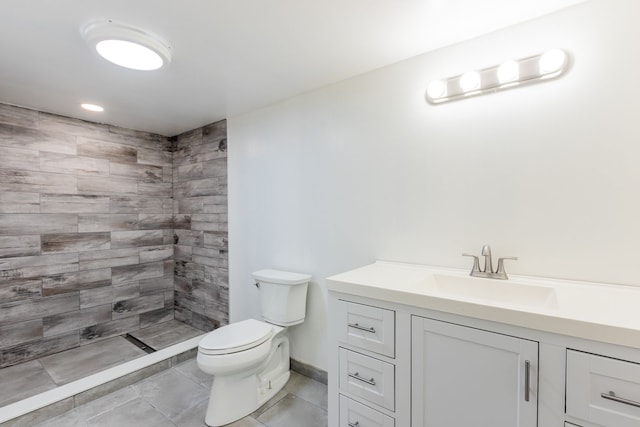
55,402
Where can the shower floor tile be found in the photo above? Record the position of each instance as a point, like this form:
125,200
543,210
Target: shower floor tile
23,380
165,334
31,378
80,362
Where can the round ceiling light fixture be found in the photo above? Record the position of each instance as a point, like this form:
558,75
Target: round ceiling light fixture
127,46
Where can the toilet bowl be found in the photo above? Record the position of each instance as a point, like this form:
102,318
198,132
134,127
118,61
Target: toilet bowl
249,360
250,364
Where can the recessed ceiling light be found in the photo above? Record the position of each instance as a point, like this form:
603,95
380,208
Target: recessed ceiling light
127,46
92,107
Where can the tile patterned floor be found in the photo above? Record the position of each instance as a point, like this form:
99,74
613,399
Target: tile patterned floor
165,334
23,380
81,362
179,397
30,378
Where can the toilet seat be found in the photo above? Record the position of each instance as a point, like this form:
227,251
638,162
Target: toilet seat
236,337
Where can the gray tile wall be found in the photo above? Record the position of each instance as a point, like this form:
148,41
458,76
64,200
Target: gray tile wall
200,209
86,231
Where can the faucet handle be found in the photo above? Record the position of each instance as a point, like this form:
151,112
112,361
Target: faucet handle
501,271
476,263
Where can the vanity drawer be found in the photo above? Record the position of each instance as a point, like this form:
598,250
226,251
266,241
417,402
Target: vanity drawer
603,390
368,378
370,328
354,414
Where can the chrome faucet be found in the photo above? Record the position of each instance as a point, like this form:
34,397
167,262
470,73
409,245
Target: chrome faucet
488,272
486,253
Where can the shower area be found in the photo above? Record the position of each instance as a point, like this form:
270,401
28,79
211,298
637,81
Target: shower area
113,246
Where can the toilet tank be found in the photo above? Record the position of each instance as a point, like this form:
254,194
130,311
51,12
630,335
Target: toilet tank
283,296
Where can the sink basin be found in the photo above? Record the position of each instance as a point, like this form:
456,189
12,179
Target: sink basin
493,292
595,311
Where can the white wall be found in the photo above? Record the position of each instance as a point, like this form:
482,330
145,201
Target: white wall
366,169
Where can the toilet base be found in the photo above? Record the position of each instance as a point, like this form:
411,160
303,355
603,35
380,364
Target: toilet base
236,396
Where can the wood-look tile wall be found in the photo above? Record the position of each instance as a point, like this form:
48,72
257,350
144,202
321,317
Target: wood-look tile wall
86,231
200,208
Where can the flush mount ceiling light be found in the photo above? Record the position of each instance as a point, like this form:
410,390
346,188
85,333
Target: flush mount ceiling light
552,63
127,46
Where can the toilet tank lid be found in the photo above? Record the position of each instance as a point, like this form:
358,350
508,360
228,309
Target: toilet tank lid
281,277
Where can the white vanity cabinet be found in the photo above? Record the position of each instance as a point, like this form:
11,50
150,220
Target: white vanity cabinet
603,390
463,376
365,373
416,346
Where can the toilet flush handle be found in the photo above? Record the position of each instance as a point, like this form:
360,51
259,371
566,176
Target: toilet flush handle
257,284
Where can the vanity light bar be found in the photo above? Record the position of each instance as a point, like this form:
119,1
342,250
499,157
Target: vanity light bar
548,65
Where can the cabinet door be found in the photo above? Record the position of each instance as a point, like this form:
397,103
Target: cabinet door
463,377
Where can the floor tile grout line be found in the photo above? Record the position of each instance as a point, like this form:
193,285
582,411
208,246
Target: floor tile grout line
187,376
306,400
262,408
309,402
110,394
46,371
166,372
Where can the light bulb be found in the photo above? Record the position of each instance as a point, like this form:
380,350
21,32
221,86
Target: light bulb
130,55
552,61
437,89
470,81
508,72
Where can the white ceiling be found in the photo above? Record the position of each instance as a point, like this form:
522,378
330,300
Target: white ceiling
229,56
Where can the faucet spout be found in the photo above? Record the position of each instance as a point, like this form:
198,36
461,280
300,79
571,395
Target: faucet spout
488,264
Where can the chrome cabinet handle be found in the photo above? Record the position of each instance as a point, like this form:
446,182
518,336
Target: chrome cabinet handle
356,376
356,424
527,380
362,328
612,396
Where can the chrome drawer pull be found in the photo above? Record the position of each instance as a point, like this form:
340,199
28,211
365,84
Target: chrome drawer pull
527,380
362,328
356,424
612,396
356,376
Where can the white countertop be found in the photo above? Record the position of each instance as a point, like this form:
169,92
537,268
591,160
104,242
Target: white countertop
595,311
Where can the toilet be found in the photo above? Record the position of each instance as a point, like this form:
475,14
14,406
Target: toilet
249,360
